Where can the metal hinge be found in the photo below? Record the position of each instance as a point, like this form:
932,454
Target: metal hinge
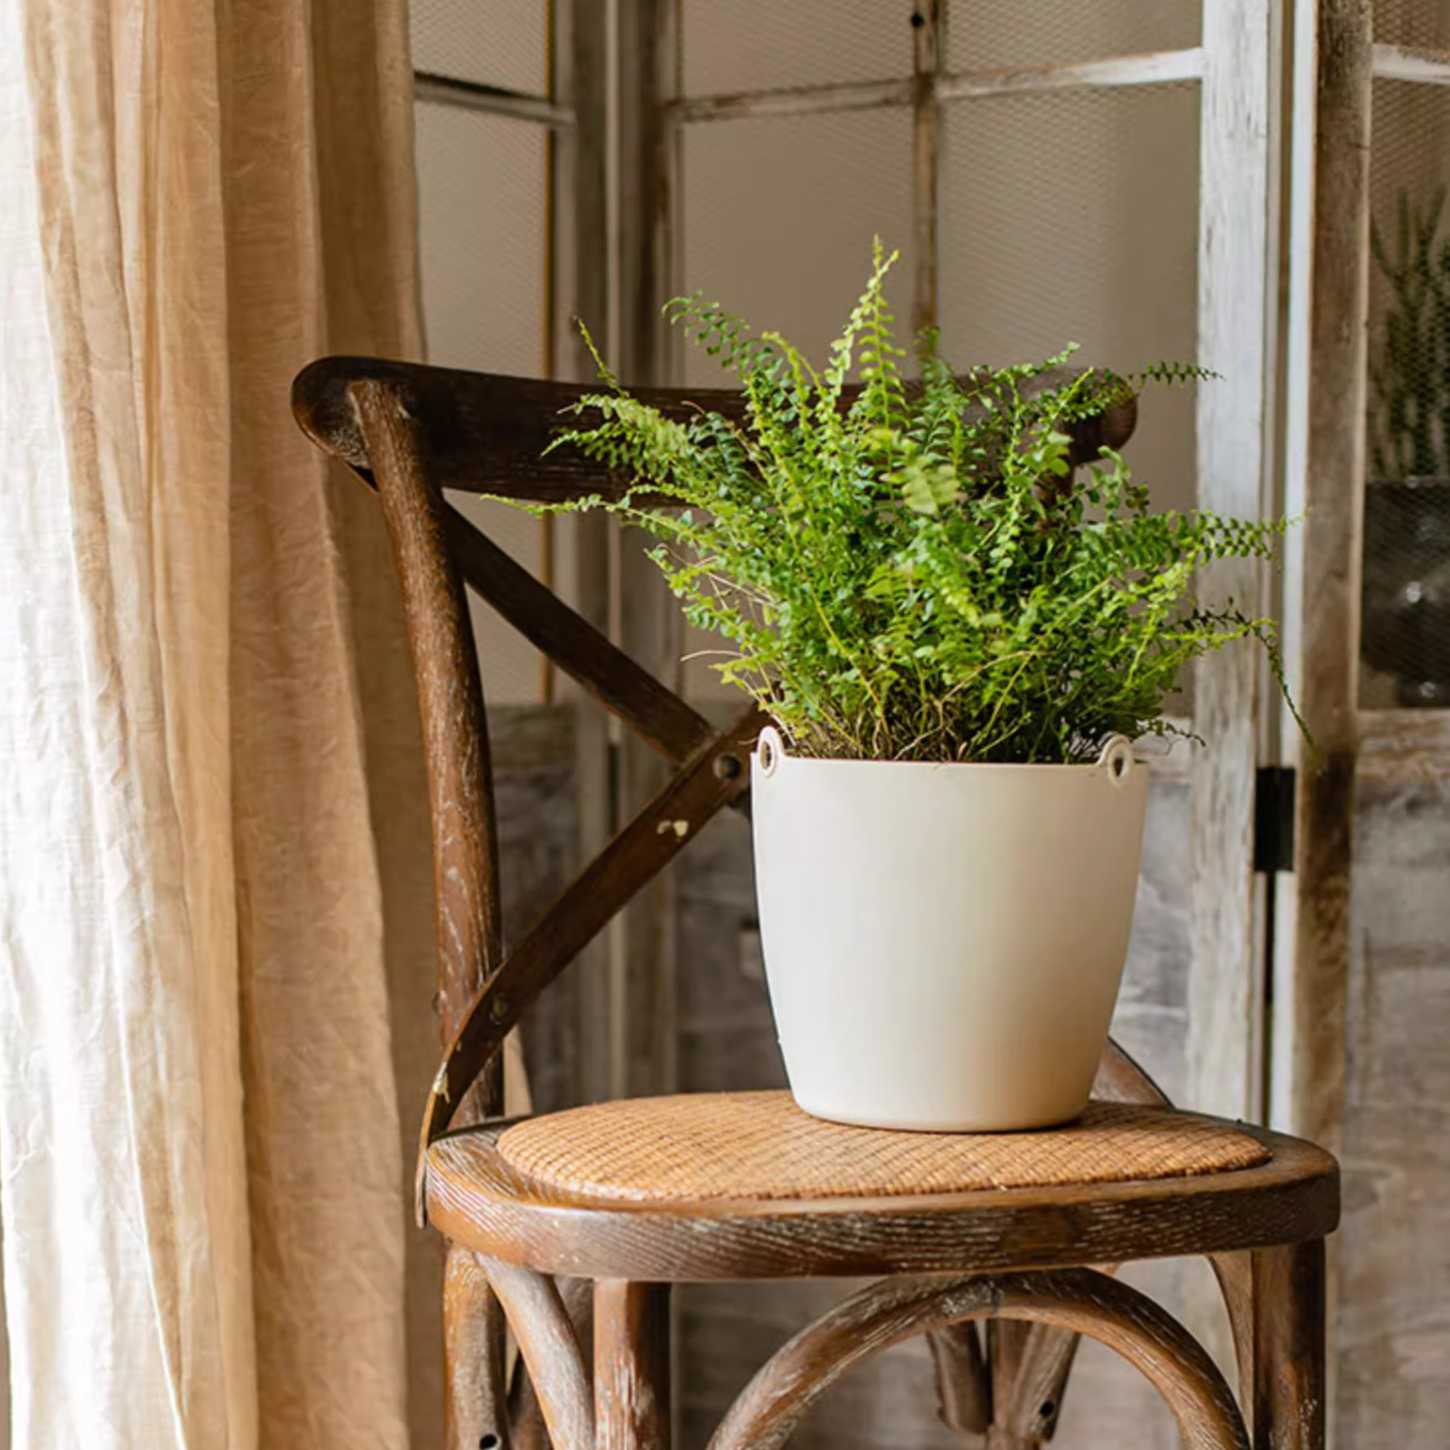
1274,787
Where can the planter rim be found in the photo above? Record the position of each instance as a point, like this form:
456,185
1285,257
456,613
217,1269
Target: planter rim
1115,747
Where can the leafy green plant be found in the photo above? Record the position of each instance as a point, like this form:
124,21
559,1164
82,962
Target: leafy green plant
915,571
1409,373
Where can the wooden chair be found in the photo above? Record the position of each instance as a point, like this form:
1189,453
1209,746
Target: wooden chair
1017,1232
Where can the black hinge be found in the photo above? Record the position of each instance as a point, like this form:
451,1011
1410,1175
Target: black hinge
1274,818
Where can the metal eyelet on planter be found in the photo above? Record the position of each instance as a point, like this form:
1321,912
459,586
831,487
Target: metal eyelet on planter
1117,757
769,751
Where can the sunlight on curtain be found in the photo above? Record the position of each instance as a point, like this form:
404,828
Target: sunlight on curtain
200,1176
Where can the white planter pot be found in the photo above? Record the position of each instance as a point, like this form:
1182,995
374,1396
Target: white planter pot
944,943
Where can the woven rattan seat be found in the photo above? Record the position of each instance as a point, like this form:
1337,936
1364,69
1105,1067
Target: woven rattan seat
759,1145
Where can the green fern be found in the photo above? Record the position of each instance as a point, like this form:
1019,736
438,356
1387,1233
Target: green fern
920,575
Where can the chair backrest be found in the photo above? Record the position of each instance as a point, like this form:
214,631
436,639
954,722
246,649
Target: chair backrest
410,431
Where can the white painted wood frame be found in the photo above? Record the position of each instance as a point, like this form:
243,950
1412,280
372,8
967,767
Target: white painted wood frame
1235,314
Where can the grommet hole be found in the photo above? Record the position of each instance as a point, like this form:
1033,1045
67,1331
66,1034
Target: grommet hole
769,750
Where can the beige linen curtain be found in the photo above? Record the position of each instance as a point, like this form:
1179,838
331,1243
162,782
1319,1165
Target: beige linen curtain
205,710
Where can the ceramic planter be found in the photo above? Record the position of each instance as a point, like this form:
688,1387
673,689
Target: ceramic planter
944,943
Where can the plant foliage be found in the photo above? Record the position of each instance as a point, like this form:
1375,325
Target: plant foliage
1410,370
913,570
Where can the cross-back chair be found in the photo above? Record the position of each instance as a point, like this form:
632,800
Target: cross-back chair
1018,1233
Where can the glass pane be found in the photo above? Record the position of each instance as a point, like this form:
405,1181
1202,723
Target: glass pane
985,34
752,45
492,42
1406,608
481,235
1100,248
1423,23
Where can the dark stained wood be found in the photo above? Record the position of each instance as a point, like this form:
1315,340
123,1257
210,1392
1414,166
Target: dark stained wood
468,925
486,432
715,776
1235,1275
577,647
477,1199
526,1416
1006,1339
963,1385
632,1365
1120,1080
475,1404
928,55
1329,583
450,700
1034,1405
892,1310
1288,1351
550,1348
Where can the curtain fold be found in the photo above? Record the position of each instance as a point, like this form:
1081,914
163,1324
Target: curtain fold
203,712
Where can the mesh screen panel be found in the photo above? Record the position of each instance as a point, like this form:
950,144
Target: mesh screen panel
491,42
779,215
751,45
1423,23
1104,254
481,186
481,225
1406,607
984,34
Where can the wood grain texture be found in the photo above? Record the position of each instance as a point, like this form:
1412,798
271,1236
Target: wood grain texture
713,778
1392,1321
1225,983
887,1312
963,1382
468,921
632,1365
1328,678
487,433
1153,68
1289,1380
651,627
585,157
468,918
928,47
549,1346
477,1199
1006,1340
581,650
475,1399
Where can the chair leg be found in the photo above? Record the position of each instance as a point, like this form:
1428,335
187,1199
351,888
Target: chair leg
475,1407
631,1366
1006,1339
1289,1380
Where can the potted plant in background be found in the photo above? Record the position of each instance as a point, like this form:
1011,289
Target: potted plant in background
958,636
1406,609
